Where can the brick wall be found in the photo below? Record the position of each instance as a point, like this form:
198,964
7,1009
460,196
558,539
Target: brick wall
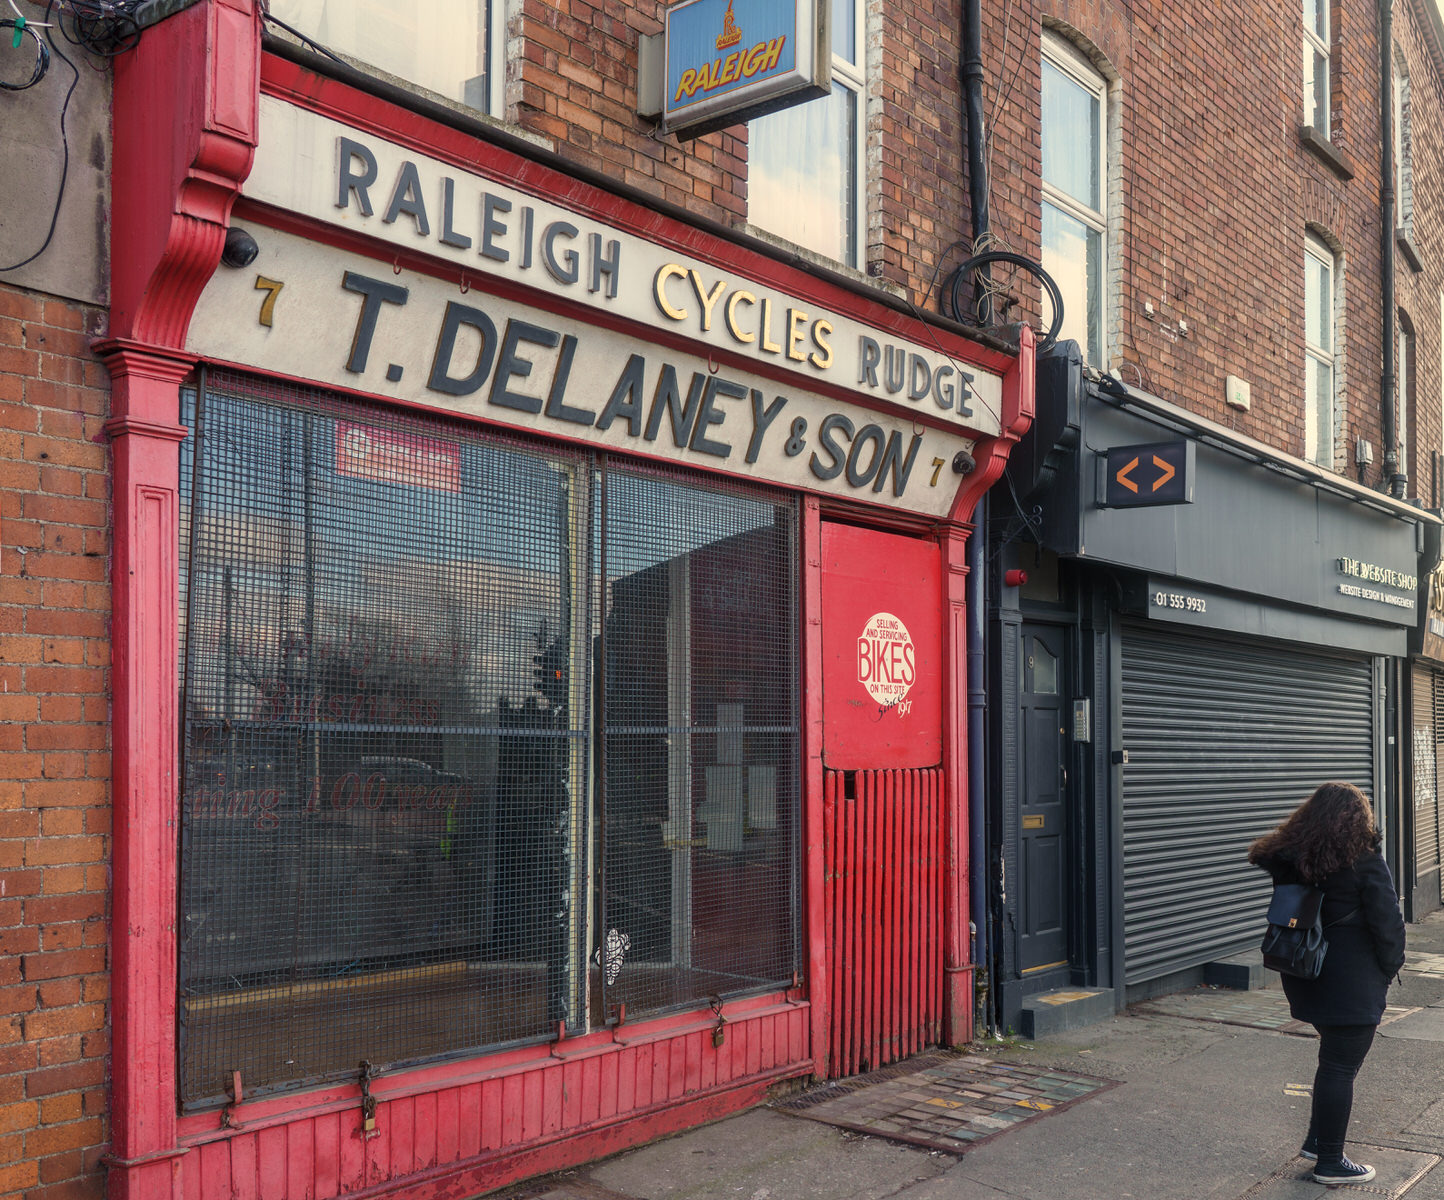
54,739
1213,189
573,79
1420,293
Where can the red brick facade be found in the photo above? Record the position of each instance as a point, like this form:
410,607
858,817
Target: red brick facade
1212,188
1420,290
54,739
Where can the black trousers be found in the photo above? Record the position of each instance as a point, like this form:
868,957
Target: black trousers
1341,1053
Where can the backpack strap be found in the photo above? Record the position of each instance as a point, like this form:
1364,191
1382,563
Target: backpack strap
1348,916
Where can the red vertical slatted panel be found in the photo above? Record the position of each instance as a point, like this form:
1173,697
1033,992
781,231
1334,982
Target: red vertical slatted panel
888,795
832,886
939,873
907,993
883,859
853,931
874,939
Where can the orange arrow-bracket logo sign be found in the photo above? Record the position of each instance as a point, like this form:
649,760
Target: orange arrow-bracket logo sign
1166,468
1122,475
1152,473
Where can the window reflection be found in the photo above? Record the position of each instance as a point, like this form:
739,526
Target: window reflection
800,174
441,45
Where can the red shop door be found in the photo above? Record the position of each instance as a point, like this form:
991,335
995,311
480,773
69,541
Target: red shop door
882,687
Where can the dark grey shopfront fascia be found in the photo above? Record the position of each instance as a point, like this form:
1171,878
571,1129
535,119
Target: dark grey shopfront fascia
1225,737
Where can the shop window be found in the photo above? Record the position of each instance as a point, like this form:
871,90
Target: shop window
1320,307
805,177
1317,71
482,741
450,47
1075,189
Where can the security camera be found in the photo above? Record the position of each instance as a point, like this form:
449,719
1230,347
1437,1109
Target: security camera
964,463
240,249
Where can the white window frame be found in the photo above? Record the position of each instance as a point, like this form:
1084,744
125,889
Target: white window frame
851,74
1316,248
1403,147
1321,120
1070,61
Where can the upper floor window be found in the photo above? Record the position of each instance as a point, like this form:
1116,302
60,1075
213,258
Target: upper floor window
805,179
1075,190
1316,66
1403,148
1320,282
444,46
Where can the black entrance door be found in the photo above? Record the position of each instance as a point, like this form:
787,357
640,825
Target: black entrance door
1043,815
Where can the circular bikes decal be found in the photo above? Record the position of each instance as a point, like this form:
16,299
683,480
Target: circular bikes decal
887,661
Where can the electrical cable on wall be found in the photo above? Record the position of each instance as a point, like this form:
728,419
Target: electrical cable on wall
23,28
64,141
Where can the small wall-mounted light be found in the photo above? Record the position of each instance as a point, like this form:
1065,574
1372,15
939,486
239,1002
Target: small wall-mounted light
240,249
964,463
1015,578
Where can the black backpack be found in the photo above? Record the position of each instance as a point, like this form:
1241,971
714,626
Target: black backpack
1293,943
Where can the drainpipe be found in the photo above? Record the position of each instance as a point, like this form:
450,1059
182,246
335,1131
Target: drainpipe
976,594
1395,472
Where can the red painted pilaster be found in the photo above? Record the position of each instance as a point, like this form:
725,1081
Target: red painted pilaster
957,958
814,860
185,116
144,437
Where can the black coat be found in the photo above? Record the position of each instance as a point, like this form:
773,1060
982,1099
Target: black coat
1366,943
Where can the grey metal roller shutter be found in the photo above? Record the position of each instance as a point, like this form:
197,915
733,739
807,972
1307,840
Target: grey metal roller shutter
1224,738
1426,770
1438,708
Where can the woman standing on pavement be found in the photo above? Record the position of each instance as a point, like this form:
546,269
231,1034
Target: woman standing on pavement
1330,843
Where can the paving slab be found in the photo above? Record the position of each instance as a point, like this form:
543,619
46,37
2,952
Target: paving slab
766,1155
1422,1025
1397,1171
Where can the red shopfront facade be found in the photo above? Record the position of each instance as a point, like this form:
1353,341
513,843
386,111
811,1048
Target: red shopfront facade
539,650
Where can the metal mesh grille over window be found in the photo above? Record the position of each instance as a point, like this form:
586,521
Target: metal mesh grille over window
700,742
400,839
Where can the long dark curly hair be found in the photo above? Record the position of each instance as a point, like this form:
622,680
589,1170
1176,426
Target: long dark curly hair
1329,831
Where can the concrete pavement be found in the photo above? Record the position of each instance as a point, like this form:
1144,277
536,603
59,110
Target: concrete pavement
1210,1099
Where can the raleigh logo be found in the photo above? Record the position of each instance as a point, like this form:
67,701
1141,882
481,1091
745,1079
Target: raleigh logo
722,72
887,662
730,34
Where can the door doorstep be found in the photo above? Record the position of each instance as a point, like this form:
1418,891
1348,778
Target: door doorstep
1063,1009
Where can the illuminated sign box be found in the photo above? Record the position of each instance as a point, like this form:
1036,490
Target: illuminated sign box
721,62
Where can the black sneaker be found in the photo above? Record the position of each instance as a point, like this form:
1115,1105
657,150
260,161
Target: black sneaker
1343,1171
1310,1148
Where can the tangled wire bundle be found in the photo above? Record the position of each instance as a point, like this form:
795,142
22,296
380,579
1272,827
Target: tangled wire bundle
103,27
